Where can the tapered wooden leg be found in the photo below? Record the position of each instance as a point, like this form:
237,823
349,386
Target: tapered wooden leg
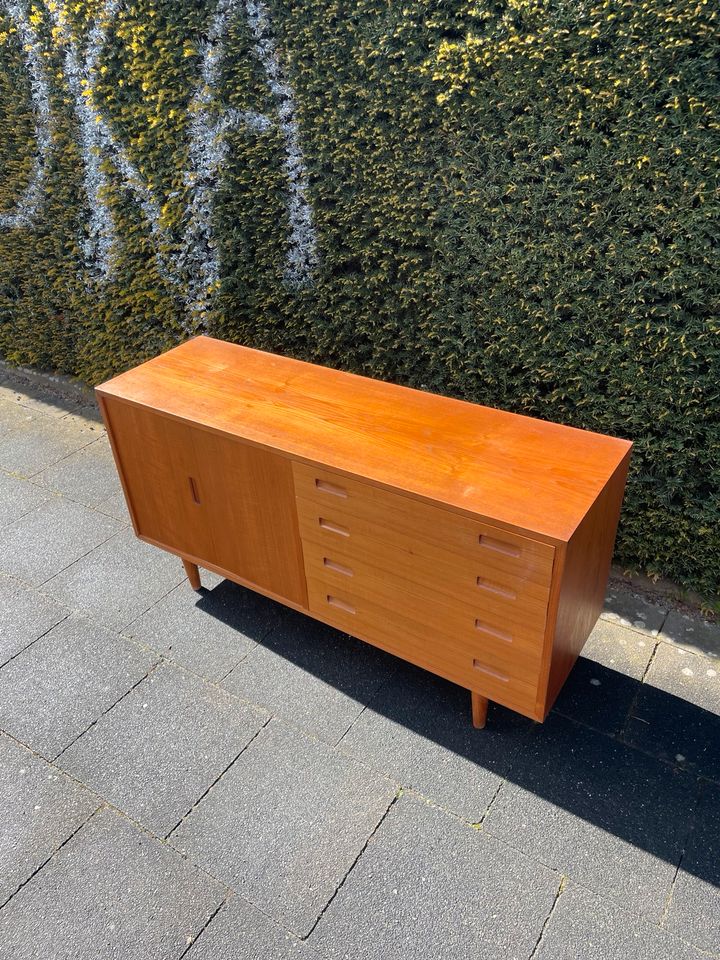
193,574
479,710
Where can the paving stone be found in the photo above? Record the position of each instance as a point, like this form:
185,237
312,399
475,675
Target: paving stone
157,752
207,632
40,442
629,610
597,696
88,476
18,497
429,887
111,892
47,539
585,926
46,404
24,616
285,823
677,712
41,808
692,633
605,815
241,931
618,648
694,912
13,416
604,681
55,688
118,580
418,731
115,506
311,675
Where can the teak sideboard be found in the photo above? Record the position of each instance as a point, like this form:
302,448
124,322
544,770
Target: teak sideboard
472,542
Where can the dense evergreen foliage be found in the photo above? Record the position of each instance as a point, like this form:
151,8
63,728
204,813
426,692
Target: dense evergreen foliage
513,202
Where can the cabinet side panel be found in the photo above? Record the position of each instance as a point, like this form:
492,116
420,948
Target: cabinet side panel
103,407
250,501
584,580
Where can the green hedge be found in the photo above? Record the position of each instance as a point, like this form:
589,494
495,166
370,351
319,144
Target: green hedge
514,202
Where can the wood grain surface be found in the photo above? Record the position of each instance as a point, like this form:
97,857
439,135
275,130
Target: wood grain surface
514,471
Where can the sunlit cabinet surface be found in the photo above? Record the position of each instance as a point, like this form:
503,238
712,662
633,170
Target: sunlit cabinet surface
472,542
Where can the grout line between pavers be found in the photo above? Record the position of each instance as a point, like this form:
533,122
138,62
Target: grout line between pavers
104,803
691,823
54,853
104,712
66,456
353,865
219,777
72,563
631,709
33,642
558,894
204,927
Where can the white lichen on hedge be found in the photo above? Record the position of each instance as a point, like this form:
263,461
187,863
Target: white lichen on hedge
190,262
26,210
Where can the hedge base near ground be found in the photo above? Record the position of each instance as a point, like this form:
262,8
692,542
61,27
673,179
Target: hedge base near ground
513,202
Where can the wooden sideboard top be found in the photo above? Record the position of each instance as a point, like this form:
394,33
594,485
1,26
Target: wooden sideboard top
512,470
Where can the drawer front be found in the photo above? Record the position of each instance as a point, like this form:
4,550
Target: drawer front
466,580
360,508
468,661
392,581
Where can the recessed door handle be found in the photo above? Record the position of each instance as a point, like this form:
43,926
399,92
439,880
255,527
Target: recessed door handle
193,490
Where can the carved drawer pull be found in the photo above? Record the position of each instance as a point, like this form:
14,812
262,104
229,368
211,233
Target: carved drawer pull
499,545
337,567
491,673
493,631
330,488
340,604
333,527
496,588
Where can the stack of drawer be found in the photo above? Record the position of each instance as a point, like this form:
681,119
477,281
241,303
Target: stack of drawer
454,595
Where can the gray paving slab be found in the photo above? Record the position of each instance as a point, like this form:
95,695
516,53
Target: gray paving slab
692,633
207,632
630,610
158,751
694,911
311,675
42,441
40,807
604,682
55,688
597,696
430,887
584,926
599,812
88,476
46,404
13,416
115,506
418,731
25,615
242,932
619,648
18,497
118,580
677,712
49,538
111,892
285,824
